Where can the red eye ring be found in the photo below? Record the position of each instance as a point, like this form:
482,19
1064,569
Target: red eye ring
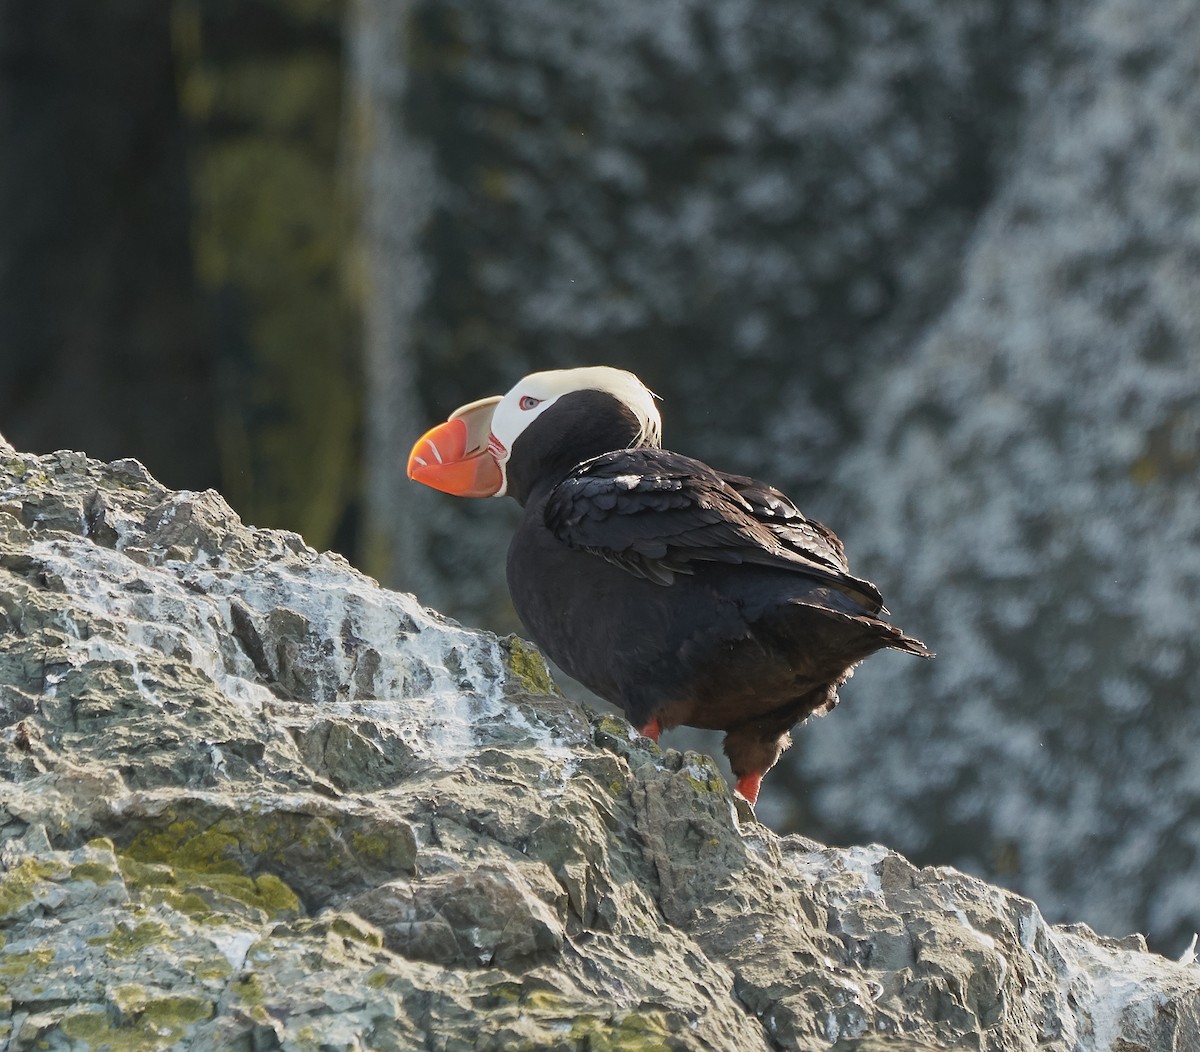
528,402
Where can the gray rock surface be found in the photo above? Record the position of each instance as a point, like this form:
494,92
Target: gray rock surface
252,800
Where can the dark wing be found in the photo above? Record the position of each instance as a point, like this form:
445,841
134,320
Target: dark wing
655,514
785,520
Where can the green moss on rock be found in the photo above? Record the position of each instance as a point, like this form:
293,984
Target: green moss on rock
356,929
96,872
265,892
184,846
240,843
610,725
91,1025
635,1032
189,903
704,779
528,666
176,863
248,989
13,896
129,998
150,1020
20,881
174,1011
127,942
18,964
372,846
379,978
557,1015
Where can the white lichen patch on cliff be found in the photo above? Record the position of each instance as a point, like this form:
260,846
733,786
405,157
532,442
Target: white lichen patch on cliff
849,873
442,688
134,613
311,629
1116,991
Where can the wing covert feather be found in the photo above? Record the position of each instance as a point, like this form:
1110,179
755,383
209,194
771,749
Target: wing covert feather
655,514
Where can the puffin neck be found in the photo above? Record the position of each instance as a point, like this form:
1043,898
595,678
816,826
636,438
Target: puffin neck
579,426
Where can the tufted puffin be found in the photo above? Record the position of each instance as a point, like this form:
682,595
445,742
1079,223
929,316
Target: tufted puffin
683,594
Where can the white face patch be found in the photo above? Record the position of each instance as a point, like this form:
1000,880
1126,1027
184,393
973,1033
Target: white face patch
532,396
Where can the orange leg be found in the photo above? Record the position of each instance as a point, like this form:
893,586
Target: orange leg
652,730
749,784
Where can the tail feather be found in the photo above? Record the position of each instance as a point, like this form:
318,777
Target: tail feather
894,639
887,634
910,645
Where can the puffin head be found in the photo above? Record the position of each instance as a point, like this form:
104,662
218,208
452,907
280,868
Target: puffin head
549,422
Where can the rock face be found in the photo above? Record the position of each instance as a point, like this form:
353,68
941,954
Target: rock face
252,800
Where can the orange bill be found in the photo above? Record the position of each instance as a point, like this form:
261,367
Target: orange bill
454,458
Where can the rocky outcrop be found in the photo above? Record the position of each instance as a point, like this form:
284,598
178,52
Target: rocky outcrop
252,800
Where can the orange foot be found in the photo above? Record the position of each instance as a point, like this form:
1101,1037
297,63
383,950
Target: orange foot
749,784
652,730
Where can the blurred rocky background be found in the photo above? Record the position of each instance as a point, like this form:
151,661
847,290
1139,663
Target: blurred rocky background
931,267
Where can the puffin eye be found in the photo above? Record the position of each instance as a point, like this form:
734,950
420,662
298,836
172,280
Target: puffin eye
528,402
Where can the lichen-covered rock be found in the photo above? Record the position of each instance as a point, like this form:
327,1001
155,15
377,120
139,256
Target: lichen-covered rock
249,799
